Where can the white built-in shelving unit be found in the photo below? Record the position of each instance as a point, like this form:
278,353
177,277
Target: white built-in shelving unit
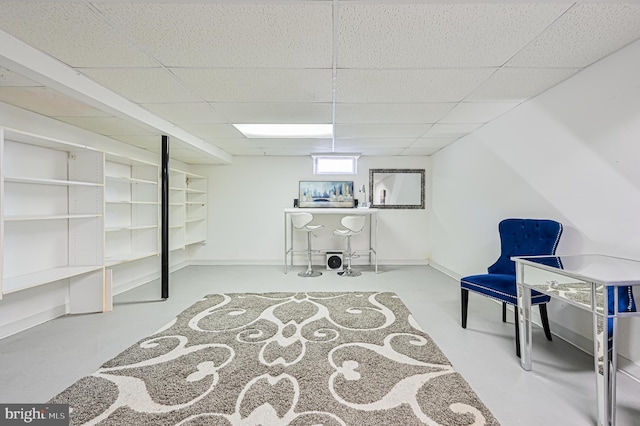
196,209
52,218
177,209
85,221
187,209
132,210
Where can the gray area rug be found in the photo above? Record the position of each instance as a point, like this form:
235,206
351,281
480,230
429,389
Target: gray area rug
281,359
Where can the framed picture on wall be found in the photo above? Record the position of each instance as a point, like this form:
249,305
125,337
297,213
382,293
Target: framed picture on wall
326,194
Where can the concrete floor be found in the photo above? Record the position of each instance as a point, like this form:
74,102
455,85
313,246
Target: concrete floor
40,362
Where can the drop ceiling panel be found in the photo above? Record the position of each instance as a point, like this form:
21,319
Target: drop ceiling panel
584,34
519,84
296,151
229,143
380,130
149,142
293,35
392,113
420,151
46,101
408,86
71,32
275,112
258,85
246,151
204,130
477,112
450,130
382,152
359,144
438,35
434,143
109,126
181,113
142,85
314,144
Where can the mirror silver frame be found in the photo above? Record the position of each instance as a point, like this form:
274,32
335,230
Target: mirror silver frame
372,173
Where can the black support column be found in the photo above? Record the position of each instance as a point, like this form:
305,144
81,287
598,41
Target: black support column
165,218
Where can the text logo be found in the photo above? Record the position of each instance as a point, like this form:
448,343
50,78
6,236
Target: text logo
34,414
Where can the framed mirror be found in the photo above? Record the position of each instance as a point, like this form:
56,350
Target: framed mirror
396,188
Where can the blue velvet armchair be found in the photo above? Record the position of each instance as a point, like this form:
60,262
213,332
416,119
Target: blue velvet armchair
518,237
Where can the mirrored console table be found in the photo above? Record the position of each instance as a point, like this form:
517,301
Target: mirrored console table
588,282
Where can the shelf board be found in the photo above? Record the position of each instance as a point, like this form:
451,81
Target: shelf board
128,179
117,259
58,182
195,219
129,228
196,241
34,279
195,191
132,202
16,218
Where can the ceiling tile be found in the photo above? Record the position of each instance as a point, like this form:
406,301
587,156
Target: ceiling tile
71,32
109,126
380,130
420,151
450,130
246,151
438,35
212,130
180,113
433,142
408,86
150,142
392,113
10,78
359,144
382,152
519,84
275,112
477,112
310,145
256,85
142,85
46,101
209,34
586,33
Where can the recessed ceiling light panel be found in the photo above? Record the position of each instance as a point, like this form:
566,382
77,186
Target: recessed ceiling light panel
286,130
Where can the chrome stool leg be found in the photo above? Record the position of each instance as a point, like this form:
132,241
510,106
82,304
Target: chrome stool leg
349,272
309,272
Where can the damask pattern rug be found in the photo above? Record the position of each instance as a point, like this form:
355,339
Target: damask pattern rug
281,359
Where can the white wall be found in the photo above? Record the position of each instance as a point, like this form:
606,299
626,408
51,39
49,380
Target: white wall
571,154
246,221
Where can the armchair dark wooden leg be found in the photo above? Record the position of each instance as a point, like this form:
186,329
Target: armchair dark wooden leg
504,312
545,320
515,311
464,303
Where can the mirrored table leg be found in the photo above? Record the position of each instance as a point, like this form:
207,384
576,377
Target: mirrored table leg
524,318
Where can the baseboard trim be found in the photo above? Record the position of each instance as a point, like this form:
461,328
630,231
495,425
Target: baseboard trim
31,321
444,270
280,262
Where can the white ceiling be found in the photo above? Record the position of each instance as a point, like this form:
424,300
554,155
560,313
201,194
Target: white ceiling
393,77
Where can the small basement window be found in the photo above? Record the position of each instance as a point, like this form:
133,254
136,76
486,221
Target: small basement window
325,164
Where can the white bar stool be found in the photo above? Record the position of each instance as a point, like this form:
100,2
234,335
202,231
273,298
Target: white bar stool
300,221
354,225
